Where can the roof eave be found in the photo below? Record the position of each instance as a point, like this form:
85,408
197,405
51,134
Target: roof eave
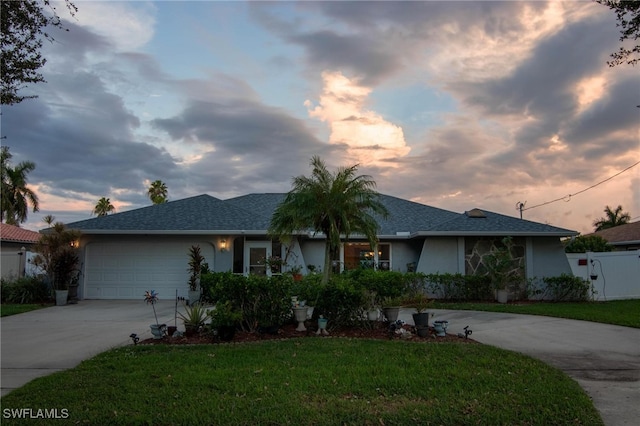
494,234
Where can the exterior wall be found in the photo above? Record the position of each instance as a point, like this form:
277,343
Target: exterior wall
440,255
313,253
547,259
404,252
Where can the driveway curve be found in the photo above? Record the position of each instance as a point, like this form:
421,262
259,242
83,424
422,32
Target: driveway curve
604,359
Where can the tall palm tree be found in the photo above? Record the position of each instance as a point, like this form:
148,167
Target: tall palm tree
613,218
158,192
16,196
335,204
103,207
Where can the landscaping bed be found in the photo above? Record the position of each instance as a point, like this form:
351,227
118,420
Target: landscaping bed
375,330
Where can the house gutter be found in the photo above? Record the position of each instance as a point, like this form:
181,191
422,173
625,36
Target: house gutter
493,234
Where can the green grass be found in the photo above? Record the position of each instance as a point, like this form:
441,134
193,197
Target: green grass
311,381
13,309
618,312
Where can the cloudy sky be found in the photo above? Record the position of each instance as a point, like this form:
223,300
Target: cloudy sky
452,104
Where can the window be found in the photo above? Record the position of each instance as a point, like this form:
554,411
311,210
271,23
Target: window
360,255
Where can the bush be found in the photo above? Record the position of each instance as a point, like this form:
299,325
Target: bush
25,290
262,301
385,284
566,288
342,302
460,287
585,243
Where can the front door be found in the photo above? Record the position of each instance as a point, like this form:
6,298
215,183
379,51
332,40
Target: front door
255,255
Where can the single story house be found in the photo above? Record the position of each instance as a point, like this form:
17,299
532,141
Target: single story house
16,246
126,253
622,237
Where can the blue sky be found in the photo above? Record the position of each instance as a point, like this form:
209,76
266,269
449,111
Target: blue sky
456,105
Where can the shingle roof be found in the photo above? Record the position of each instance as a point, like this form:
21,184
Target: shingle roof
200,213
252,213
14,234
622,234
482,222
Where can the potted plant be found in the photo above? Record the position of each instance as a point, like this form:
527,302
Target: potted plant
58,257
196,261
193,318
157,329
420,302
373,313
224,320
296,272
391,307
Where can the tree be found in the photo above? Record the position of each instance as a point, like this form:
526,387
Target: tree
16,196
613,218
103,207
628,16
585,243
58,253
334,204
158,192
24,25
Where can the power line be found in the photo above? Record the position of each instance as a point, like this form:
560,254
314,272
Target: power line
567,198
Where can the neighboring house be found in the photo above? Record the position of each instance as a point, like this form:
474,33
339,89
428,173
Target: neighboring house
16,249
622,237
126,253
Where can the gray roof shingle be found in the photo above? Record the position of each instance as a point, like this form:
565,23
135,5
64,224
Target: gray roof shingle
252,213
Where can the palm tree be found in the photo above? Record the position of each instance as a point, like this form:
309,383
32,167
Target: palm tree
613,218
16,196
335,204
158,192
103,207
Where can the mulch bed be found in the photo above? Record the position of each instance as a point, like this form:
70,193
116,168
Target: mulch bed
378,330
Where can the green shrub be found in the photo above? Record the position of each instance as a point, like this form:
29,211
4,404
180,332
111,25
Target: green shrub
25,290
460,287
386,284
566,288
342,302
585,243
262,301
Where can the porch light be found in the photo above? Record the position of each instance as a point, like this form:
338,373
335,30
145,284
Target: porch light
223,245
74,243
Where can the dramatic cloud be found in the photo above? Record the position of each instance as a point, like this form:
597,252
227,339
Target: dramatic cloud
457,105
370,139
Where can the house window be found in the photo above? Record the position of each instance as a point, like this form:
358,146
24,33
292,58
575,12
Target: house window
360,255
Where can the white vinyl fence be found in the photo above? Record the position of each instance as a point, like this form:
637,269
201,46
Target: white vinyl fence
614,275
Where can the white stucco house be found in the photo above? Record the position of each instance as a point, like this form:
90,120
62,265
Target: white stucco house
126,253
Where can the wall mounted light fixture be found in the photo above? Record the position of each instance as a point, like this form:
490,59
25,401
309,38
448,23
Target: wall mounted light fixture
223,245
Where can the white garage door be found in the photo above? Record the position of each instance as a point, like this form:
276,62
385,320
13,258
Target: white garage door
127,270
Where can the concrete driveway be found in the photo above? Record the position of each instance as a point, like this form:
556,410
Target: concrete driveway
41,342
603,359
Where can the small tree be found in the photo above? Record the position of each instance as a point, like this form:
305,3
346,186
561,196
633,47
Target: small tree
585,243
57,254
335,204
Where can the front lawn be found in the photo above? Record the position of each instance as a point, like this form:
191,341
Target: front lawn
311,381
617,312
7,309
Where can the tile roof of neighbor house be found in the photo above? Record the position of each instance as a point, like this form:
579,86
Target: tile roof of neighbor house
15,234
623,234
252,213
